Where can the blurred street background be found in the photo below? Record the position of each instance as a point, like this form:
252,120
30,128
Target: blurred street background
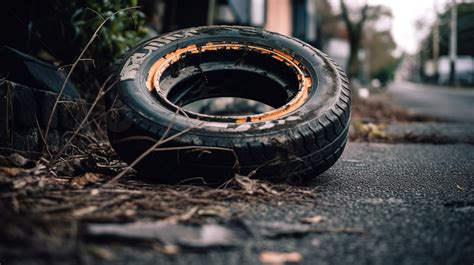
405,178
383,45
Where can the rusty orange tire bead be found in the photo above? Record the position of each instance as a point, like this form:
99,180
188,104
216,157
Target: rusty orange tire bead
300,137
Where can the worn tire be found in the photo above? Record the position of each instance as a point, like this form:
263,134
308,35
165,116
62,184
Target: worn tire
300,139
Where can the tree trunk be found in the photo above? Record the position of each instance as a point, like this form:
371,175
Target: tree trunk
353,63
354,29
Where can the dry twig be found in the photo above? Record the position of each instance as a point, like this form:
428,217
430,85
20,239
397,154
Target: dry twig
73,67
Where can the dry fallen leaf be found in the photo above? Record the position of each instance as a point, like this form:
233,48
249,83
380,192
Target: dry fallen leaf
130,212
313,220
277,258
10,171
83,211
174,219
103,253
168,249
214,210
85,179
252,186
20,161
371,131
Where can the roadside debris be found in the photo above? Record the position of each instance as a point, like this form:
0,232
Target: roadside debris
252,186
10,171
61,196
103,253
313,220
215,211
230,233
17,178
280,258
375,119
188,236
280,229
32,72
85,179
379,110
24,112
370,131
174,219
17,160
51,193
83,211
167,249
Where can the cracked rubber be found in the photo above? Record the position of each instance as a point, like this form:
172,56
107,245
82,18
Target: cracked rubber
295,147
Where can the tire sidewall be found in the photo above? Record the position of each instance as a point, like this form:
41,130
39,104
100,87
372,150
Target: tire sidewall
133,92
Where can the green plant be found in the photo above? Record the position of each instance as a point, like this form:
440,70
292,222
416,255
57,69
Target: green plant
121,31
65,28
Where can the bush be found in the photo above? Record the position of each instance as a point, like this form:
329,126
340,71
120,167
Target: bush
64,28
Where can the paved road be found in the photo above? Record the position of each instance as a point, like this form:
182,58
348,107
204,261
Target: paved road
439,102
415,202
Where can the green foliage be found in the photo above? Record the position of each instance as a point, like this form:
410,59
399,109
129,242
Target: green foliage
386,73
119,33
382,62
67,26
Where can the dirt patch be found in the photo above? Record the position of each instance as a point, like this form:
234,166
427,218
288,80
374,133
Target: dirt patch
370,118
46,206
379,109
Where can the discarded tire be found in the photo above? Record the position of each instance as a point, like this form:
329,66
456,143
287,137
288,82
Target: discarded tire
300,138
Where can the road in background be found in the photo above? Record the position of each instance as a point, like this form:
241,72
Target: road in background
445,103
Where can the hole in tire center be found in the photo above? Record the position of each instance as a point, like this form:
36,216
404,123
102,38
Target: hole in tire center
228,106
229,83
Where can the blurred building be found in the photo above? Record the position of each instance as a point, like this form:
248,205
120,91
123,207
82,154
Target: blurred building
433,58
464,70
296,18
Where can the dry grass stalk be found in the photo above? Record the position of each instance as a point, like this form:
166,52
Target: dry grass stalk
73,67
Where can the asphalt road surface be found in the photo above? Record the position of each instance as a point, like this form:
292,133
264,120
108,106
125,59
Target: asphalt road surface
440,102
414,202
